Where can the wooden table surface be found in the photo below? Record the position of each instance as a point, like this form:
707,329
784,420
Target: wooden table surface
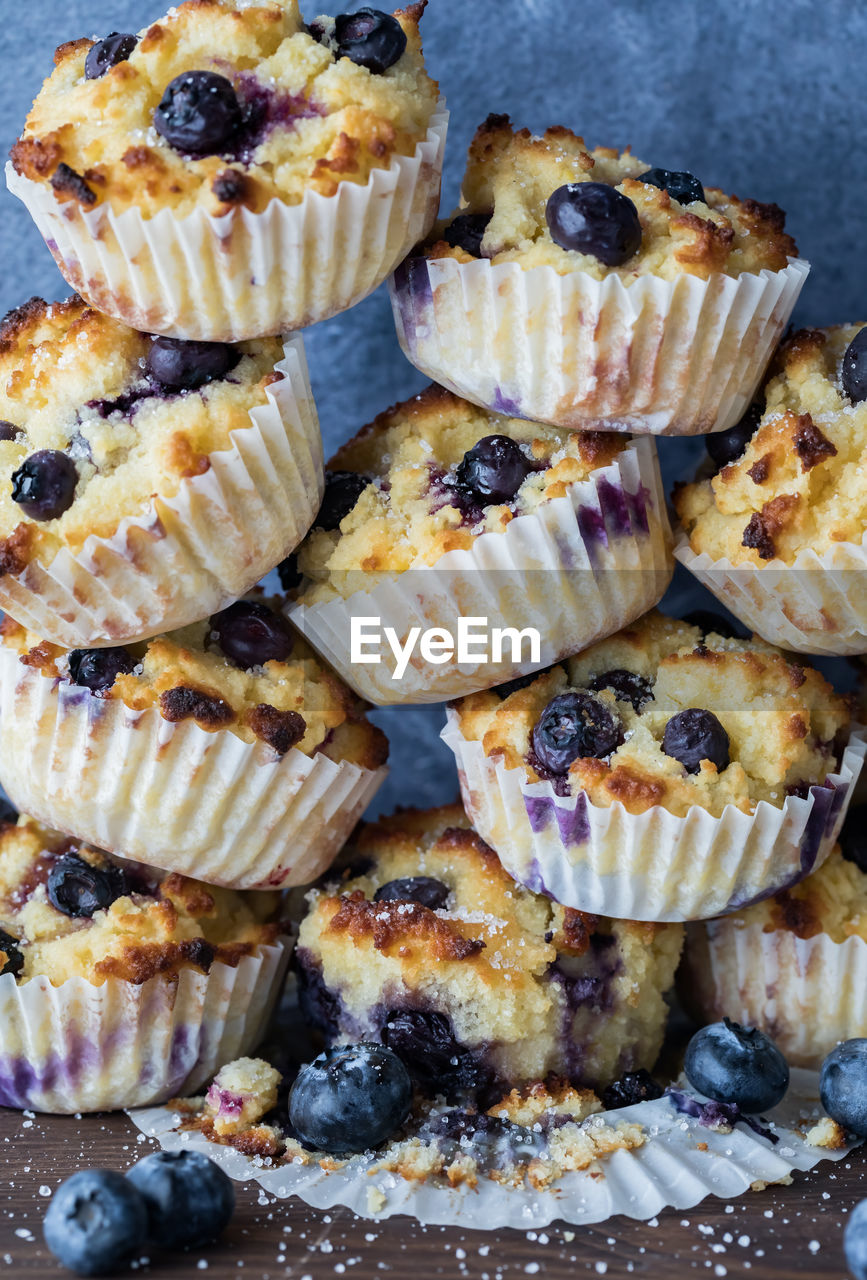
779,1232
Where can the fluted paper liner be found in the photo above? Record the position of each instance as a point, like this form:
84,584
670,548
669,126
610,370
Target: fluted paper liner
680,357
83,1047
681,1163
652,865
245,274
208,805
807,993
816,604
576,569
187,556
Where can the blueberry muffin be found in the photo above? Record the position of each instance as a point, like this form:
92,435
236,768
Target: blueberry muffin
783,493
423,942
548,244
223,750
109,968
147,480
795,964
249,116
591,780
550,517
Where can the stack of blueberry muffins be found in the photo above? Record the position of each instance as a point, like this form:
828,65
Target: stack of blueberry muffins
184,740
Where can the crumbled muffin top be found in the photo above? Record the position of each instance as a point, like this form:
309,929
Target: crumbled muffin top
511,175
296,702
307,118
415,507
74,381
833,900
782,718
799,482
155,923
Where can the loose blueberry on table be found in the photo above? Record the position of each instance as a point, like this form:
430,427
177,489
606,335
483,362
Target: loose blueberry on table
731,1063
855,1241
95,1221
350,1099
573,726
189,1199
596,219
250,634
843,1085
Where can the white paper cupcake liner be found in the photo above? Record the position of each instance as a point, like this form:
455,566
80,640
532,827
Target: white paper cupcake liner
680,357
244,275
817,604
577,569
806,993
82,1047
187,556
681,1163
653,865
208,805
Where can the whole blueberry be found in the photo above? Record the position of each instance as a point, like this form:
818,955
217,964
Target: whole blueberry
709,621
250,634
185,366
369,38
573,726
9,431
44,484
591,217
681,186
79,889
10,947
107,53
843,1085
199,113
725,447
731,1063
853,373
695,735
467,231
627,686
350,1099
853,837
425,890
189,1199
96,669
96,1220
342,491
493,470
634,1086
855,1241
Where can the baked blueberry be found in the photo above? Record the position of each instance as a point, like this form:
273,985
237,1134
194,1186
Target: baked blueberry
694,735
855,1241
627,686
350,1099
96,1220
189,1199
185,366
509,687
573,726
342,491
843,1086
853,837
9,431
594,218
680,185
44,484
731,1063
250,634
79,889
493,470
727,446
708,621
96,669
13,959
199,114
107,53
853,372
467,231
634,1086
426,890
369,38
425,1042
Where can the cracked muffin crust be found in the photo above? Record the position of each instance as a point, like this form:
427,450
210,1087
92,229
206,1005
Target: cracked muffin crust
300,116
421,940
511,175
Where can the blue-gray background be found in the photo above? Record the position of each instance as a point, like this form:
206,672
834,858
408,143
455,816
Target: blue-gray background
757,98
